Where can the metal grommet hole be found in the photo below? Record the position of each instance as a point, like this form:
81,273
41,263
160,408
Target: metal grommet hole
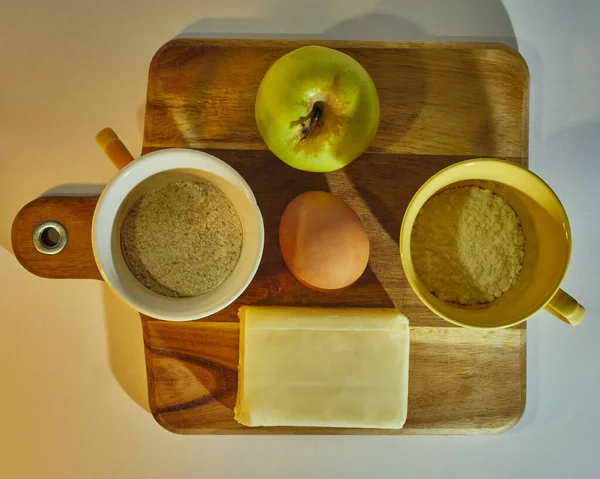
49,237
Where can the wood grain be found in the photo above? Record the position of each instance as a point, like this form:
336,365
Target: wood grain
440,103
454,386
436,99
76,260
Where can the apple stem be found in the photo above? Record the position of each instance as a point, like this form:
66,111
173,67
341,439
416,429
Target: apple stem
310,122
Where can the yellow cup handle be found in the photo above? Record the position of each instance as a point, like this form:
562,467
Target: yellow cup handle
114,148
566,308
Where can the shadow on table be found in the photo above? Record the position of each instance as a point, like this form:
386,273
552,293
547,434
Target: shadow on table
409,20
125,344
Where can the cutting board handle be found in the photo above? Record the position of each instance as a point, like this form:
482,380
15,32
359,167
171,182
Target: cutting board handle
52,237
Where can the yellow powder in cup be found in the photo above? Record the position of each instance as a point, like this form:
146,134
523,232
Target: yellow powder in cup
467,245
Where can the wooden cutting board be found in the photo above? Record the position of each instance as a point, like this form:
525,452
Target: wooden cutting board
440,103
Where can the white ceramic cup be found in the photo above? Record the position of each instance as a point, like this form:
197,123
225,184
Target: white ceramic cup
148,172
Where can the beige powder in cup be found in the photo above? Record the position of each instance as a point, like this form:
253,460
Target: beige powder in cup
467,245
182,239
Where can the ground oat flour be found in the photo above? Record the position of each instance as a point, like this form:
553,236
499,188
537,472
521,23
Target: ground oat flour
182,239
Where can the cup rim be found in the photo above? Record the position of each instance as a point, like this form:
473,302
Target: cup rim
125,181
404,239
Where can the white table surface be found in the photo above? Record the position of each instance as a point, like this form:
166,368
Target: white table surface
72,386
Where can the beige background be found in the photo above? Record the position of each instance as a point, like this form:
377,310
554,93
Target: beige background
72,390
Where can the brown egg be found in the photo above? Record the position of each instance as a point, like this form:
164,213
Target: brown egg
323,241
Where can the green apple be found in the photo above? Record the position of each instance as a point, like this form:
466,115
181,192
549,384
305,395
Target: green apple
317,109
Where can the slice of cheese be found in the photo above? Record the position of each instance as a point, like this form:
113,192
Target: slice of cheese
322,367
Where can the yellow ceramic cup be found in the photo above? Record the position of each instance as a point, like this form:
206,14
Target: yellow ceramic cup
547,246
